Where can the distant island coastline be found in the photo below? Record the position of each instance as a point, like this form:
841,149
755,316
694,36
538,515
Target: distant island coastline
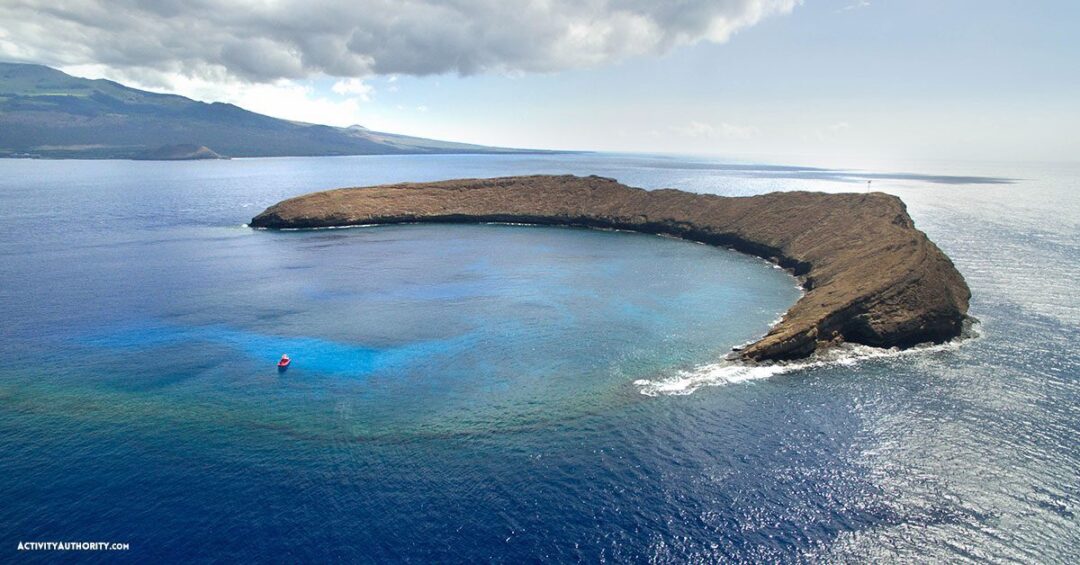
47,114
870,277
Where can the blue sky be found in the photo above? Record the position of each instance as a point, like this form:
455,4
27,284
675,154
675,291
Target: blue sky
908,79
827,79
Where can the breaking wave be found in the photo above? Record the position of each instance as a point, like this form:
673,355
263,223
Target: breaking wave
727,372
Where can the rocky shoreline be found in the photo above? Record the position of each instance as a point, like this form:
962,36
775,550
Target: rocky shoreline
870,276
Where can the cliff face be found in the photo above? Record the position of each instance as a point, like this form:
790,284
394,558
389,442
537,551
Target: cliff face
870,276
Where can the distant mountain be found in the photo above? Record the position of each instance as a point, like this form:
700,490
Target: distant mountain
47,113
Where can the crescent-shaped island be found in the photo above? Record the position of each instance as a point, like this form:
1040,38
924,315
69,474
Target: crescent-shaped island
870,277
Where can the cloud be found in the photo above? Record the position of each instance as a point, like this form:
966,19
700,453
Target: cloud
723,130
856,5
265,41
832,131
282,98
354,86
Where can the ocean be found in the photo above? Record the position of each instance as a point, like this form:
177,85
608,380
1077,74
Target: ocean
516,393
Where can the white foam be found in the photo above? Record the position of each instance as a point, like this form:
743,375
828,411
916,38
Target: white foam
729,372
348,227
716,374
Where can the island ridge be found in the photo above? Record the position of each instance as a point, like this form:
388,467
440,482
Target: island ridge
870,277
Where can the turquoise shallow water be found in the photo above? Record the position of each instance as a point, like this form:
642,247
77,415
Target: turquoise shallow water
424,329
470,393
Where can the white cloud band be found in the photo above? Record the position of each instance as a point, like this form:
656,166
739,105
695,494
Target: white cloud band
262,41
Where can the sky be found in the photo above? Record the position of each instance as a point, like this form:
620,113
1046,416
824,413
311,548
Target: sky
826,79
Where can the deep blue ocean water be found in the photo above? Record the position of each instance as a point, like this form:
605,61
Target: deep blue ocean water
510,393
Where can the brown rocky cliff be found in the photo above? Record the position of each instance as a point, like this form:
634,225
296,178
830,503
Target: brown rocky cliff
870,276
